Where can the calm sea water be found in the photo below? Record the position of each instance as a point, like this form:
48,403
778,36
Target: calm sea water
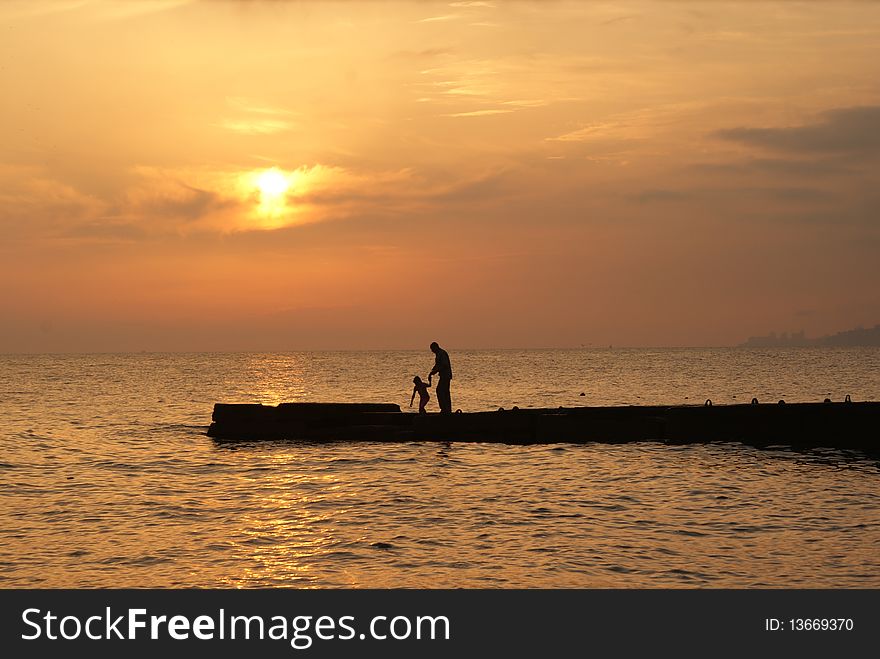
107,477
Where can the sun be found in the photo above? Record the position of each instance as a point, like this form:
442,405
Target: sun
272,184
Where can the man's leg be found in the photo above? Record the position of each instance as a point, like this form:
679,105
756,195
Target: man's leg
444,398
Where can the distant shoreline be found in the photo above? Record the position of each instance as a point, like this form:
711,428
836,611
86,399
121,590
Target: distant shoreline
854,338
814,343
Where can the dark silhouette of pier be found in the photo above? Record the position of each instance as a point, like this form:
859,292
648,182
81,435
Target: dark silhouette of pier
826,424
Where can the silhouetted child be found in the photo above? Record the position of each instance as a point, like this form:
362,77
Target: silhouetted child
422,389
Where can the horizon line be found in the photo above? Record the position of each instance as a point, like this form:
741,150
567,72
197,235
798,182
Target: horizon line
612,347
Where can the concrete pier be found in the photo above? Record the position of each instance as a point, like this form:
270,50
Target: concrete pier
833,425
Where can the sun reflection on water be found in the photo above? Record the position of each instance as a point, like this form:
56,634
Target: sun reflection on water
287,526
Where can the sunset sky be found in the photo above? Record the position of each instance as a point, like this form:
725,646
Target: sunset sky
284,175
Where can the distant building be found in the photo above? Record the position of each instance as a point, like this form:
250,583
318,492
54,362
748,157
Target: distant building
784,340
855,337
858,337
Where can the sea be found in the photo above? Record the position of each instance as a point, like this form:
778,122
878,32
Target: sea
107,477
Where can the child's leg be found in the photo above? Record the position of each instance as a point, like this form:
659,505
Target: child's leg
422,403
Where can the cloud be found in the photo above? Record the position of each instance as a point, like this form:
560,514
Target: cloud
466,91
111,232
480,188
151,202
439,19
425,53
620,19
401,191
177,201
859,212
478,113
255,118
256,126
527,103
662,195
636,125
589,132
156,203
32,201
778,166
787,195
854,130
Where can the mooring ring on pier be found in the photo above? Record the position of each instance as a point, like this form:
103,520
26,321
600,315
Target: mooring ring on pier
847,399
754,401
708,403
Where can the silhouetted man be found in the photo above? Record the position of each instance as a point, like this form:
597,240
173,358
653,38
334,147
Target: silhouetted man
443,368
